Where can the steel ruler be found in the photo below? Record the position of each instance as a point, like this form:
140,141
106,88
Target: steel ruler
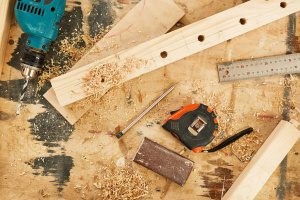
253,68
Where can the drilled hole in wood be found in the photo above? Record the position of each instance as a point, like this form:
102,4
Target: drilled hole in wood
243,21
201,38
283,4
163,54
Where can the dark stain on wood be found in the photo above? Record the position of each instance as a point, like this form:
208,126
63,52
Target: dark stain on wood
4,116
296,43
294,188
71,30
18,52
291,30
219,162
58,166
101,17
50,128
123,147
11,89
165,189
291,34
266,117
140,96
94,132
217,182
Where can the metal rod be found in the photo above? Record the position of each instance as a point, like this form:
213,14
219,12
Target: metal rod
20,104
120,134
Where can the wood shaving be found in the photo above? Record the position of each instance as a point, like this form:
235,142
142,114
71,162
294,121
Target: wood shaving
115,183
71,51
245,148
101,78
43,193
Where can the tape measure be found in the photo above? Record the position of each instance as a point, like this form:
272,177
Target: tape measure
196,125
253,68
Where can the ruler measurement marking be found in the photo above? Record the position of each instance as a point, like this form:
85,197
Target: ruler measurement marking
253,68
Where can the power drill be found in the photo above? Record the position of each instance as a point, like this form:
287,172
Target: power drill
39,19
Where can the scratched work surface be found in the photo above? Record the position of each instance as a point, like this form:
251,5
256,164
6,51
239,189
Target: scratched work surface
43,157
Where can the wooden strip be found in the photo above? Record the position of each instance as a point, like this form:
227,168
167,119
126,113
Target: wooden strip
6,10
264,163
147,20
178,44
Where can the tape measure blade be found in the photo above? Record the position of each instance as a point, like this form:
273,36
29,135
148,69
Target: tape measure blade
259,67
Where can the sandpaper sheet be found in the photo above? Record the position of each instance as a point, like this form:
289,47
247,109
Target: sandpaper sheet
164,161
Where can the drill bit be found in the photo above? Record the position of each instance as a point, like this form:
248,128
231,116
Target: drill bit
24,89
120,134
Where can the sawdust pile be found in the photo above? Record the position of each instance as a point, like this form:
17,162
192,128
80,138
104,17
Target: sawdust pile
101,78
245,148
121,183
70,50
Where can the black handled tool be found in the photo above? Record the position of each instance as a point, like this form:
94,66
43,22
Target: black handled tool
230,140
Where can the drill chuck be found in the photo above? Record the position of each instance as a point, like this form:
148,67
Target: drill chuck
29,72
32,63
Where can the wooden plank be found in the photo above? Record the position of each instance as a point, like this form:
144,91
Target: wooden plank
148,19
176,45
264,163
6,10
192,8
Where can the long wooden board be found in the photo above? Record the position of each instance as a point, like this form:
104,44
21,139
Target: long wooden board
179,44
6,10
264,163
147,20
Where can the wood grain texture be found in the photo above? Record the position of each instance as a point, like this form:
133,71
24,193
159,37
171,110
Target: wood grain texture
192,8
147,20
6,10
264,163
91,148
179,44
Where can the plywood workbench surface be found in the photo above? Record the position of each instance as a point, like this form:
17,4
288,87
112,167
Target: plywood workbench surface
43,157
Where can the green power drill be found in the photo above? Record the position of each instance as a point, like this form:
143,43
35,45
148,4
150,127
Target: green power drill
39,19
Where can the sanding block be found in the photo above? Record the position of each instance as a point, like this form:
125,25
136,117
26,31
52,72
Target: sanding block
164,161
